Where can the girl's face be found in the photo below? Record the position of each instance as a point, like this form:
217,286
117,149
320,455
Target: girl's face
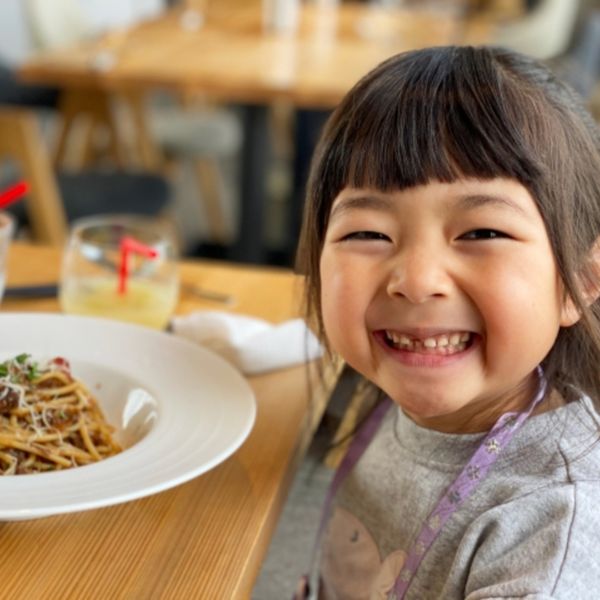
445,295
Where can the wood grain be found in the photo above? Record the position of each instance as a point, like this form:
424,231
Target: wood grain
22,142
202,539
232,58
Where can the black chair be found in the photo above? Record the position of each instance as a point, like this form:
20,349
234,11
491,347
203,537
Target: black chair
94,192
82,193
15,93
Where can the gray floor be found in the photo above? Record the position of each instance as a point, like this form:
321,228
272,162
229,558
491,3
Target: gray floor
291,548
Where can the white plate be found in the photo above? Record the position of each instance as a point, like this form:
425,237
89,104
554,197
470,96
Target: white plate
178,408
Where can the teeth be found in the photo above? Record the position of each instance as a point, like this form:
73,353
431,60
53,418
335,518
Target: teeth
443,343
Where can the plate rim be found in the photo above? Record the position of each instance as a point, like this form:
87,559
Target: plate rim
109,326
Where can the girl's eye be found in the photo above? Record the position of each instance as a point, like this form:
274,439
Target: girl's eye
483,234
365,236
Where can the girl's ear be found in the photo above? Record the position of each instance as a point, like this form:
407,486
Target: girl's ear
569,314
589,282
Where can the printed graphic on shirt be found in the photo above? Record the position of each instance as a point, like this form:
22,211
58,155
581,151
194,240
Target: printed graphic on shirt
351,566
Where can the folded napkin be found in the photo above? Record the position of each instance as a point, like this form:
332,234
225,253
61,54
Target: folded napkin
251,345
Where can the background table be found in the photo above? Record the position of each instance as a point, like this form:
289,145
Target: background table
205,538
231,58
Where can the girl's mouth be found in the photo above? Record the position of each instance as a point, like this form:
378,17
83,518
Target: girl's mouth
443,344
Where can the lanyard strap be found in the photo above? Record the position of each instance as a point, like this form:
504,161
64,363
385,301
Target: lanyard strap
469,478
362,438
463,486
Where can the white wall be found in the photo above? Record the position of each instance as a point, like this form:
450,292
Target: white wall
16,41
107,14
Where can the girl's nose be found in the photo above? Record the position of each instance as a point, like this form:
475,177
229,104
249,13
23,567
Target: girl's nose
419,276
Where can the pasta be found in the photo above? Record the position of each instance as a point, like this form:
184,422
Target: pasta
48,419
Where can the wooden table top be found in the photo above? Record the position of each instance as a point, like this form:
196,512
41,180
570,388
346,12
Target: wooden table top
231,57
205,538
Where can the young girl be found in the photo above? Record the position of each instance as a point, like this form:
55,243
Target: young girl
451,244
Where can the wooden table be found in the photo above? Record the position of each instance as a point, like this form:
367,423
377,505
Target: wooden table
202,539
231,58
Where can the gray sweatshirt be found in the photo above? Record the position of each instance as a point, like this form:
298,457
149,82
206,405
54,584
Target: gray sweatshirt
530,530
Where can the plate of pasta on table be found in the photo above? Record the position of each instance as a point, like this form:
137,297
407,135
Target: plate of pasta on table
95,412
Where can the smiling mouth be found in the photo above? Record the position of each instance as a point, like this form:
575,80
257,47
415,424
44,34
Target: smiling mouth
443,344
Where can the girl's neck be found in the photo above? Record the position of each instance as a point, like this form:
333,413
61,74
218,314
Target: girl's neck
478,418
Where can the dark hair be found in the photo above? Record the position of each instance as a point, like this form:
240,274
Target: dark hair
450,112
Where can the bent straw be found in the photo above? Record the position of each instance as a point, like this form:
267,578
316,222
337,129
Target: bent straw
13,193
127,246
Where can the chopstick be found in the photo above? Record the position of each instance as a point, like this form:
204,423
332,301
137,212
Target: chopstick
50,290
43,290
194,290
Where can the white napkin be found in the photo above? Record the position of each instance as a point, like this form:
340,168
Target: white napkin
252,345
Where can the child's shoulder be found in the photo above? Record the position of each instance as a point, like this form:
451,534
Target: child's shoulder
563,444
542,540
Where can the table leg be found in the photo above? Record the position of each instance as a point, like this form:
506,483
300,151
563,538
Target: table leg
95,108
256,155
308,127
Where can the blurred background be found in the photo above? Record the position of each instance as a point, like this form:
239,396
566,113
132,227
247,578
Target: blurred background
208,111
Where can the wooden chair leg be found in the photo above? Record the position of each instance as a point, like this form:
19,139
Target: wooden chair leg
149,153
359,401
65,127
21,140
211,186
93,107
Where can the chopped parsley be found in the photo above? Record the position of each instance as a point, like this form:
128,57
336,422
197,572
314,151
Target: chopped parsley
19,367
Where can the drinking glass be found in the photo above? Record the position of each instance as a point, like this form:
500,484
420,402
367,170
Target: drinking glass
92,280
6,233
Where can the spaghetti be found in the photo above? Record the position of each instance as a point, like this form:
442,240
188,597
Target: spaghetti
48,419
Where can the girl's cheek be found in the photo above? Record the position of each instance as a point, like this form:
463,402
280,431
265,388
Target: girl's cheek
340,311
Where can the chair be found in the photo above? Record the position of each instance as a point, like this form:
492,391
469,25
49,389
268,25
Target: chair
544,32
202,136
56,199
580,64
57,23
15,93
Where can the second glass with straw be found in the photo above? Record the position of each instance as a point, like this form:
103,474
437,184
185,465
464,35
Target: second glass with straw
121,267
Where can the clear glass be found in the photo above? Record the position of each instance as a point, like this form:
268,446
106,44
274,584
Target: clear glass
6,232
90,271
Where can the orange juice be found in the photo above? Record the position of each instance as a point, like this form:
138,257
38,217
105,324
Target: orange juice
149,303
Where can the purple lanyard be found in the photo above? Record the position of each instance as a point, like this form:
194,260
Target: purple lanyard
469,478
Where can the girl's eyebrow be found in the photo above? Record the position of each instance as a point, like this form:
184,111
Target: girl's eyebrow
474,201
463,202
361,202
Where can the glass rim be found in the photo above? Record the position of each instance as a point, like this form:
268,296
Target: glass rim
157,232
121,219
7,223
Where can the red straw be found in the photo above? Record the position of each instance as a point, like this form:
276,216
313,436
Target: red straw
126,247
13,193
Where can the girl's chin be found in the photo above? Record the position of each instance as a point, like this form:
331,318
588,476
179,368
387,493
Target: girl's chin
442,416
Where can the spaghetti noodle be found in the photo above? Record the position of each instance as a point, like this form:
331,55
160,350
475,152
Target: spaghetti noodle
48,419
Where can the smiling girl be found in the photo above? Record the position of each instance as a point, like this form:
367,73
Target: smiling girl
451,245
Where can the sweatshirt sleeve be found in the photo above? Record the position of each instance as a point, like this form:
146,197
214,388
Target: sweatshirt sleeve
545,545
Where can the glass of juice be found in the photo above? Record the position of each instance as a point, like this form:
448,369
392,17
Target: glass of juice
103,275
6,233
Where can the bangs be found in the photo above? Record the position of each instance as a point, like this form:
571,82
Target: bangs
448,113
440,115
